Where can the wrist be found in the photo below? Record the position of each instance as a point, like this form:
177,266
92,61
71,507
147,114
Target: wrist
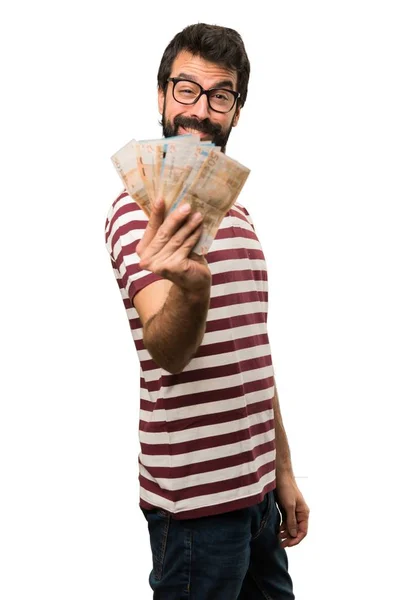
200,295
284,471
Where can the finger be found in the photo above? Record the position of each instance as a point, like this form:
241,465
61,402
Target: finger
168,228
302,524
288,542
186,248
175,261
283,533
291,521
155,221
182,241
178,223
166,243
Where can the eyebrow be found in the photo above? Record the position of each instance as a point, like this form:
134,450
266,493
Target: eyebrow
219,84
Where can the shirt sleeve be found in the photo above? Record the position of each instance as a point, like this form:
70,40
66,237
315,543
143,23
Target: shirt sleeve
248,217
125,226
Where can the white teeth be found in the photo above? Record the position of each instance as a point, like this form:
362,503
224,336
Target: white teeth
193,131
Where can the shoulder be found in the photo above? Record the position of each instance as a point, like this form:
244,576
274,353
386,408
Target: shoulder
241,212
125,219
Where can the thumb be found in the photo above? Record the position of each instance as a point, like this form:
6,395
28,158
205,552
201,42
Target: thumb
291,522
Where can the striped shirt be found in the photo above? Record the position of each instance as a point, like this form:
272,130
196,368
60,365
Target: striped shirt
207,438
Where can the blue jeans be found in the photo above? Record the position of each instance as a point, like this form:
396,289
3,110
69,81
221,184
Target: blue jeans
232,556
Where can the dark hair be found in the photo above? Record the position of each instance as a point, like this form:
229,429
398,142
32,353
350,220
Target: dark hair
216,44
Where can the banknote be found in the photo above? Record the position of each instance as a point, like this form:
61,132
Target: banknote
147,168
176,166
149,157
126,164
212,191
181,165
182,169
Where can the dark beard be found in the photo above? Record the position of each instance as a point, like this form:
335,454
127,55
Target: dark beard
218,136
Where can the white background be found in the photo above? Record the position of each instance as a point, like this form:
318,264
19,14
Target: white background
320,132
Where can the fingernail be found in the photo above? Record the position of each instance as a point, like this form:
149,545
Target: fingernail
159,202
184,209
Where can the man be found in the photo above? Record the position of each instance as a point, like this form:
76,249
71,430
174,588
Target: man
214,465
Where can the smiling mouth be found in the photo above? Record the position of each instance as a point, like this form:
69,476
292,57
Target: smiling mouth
184,130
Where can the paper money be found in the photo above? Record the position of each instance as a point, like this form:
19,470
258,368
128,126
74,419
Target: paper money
179,157
125,163
212,192
150,155
182,169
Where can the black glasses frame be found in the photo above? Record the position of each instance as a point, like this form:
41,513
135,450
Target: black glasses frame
176,80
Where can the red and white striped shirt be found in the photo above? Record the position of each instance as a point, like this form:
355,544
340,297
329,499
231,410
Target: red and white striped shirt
207,438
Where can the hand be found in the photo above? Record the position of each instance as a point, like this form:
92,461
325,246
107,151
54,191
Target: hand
166,248
295,512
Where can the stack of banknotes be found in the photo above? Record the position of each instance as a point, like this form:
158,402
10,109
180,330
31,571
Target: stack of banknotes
182,169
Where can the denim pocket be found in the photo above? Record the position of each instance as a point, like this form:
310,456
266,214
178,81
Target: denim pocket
158,522
265,514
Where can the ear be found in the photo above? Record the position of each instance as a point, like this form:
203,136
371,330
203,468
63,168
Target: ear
161,97
236,117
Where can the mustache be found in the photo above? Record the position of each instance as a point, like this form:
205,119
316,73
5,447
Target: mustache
205,126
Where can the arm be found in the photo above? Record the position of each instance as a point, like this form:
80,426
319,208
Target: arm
295,512
174,332
174,310
283,458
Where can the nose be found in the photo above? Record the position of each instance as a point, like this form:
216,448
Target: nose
200,110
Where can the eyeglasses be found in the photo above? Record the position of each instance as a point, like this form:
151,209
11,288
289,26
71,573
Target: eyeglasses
188,92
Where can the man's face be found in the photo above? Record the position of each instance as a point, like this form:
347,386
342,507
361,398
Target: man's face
178,119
